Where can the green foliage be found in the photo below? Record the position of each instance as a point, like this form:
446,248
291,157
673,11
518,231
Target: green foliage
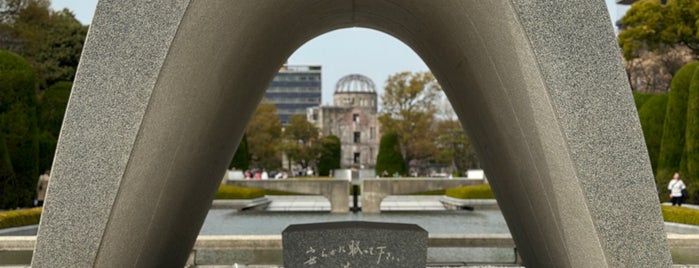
389,159
52,107
237,192
674,130
263,135
453,146
649,25
652,116
16,80
691,147
47,149
641,98
408,110
51,41
331,155
20,217
18,123
241,159
680,215
481,191
301,143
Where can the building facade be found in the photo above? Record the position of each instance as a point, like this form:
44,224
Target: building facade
295,89
354,119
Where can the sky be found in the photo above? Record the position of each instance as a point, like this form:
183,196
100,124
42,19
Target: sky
341,52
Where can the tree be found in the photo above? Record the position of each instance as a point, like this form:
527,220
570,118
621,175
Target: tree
330,155
390,160
650,25
301,143
51,41
652,71
9,9
52,107
263,135
241,158
18,124
408,110
453,146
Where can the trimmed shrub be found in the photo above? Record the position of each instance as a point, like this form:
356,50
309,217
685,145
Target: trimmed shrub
331,155
680,215
481,191
52,107
18,122
641,98
241,159
389,159
673,140
652,116
20,217
236,192
691,146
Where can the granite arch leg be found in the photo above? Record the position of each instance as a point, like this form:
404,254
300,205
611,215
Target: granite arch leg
165,89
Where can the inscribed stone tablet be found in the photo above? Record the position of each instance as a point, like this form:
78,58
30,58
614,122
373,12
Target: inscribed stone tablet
354,244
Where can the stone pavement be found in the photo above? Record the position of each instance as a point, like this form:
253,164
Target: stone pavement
319,203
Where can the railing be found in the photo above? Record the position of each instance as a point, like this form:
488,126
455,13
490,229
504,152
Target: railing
19,244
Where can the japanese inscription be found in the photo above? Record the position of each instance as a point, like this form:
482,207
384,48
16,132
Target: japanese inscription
353,250
354,244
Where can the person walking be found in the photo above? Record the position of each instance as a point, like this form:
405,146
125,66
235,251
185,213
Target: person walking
41,186
676,186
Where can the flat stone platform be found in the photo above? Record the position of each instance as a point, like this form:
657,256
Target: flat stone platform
390,203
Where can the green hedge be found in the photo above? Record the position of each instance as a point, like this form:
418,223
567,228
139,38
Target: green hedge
481,191
18,122
237,192
20,217
680,215
652,117
641,98
691,146
241,158
331,155
674,130
390,159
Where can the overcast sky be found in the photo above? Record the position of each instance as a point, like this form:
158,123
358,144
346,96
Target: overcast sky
342,52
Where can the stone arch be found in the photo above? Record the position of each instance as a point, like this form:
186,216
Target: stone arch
165,89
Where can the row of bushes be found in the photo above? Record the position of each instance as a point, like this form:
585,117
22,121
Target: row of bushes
471,192
25,217
670,213
237,192
20,217
670,125
680,215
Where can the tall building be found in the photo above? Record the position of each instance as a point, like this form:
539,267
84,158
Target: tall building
354,119
294,89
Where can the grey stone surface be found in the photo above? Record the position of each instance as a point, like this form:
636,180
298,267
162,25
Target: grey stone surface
354,244
165,89
375,190
334,190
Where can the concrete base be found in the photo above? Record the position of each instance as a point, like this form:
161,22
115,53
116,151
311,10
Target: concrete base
336,191
165,89
375,190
